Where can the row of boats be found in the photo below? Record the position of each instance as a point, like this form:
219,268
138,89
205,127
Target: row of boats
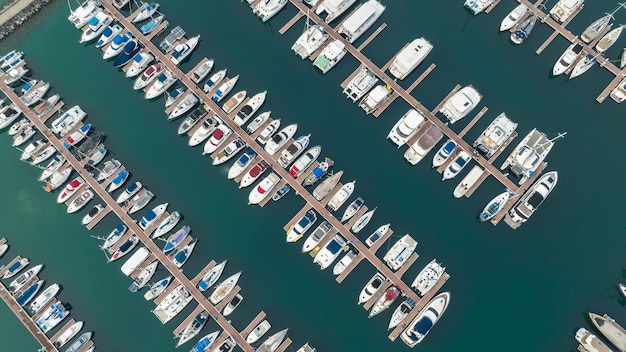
612,331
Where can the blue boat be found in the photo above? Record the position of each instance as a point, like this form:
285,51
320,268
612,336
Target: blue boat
29,293
183,255
118,181
15,268
130,50
174,240
152,25
281,192
205,342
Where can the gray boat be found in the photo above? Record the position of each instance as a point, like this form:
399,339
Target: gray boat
78,344
327,185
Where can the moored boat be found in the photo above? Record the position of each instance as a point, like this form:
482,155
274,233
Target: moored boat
258,331
327,255
360,84
258,121
532,199
400,313
385,300
24,278
224,288
140,201
352,209
129,192
204,343
313,37
202,71
323,189
341,196
304,161
242,163
262,190
211,277
523,30
92,214
70,189
231,104
15,268
428,277
141,60
279,139
152,215
43,298
316,236
495,135
253,174
513,17
410,57
360,20
461,103
372,286
494,206
330,56
167,224
158,288
193,328
301,226
375,98
28,294
118,181
273,342
333,8
344,262
362,221
564,9
114,236
81,201
218,137
456,166
251,107
204,131
181,51
125,248
68,334
81,341
426,319
400,252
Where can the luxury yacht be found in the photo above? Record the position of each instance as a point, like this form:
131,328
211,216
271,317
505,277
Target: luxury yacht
316,236
352,209
8,115
144,276
341,196
251,107
333,8
242,163
141,60
428,277
590,342
266,9
532,199
495,135
16,74
202,71
406,127
311,39
564,8
361,20
253,174
360,84
567,59
279,139
268,132
96,26
231,149
478,6
327,255
108,169
258,121
52,316
385,300
400,313
323,189
330,56
181,51
289,154
191,120
117,45
23,279
108,34
146,12
232,305
262,190
52,167
455,167
610,329
619,93
297,230
211,277
204,131
184,106
162,83
318,172
461,103
258,332
231,104
513,17
375,98
410,57
218,137
343,263
152,72
425,319
193,328
529,154
59,177
372,286
423,145
400,252
494,206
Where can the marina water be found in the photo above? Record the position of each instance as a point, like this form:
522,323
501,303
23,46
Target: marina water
523,290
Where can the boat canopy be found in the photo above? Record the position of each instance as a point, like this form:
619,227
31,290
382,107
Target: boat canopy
94,21
423,325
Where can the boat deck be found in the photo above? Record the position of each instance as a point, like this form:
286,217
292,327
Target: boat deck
188,320
65,327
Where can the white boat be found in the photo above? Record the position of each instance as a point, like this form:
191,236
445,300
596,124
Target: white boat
191,120
333,8
18,127
110,166
44,297
622,289
204,131
461,103
15,74
173,96
327,255
406,127
182,256
224,89
68,120
33,148
242,163
181,51
96,26
45,106
352,209
141,60
152,215
467,182
494,136
157,288
532,199
68,334
148,76
58,178
232,305
80,342
494,206
363,221
214,80
590,342
117,45
361,20
478,6
567,59
619,93
423,145
428,277
132,263
583,65
193,328
289,154
114,236
595,28
184,106
43,155
279,139
385,300
273,342
375,98
360,84
400,252
211,276
140,201
152,25
227,346
297,230
79,202
224,288
268,132
425,319
529,154
19,282
92,214
376,235
318,172
231,104
323,189
173,304
81,15
251,107
455,167
400,313
231,149
263,189
77,136
15,268
330,56
253,174
146,12
609,39
564,8
129,192
513,17
343,263
52,316
202,71
161,84
7,116
410,57
258,121
218,137
118,181
167,224
35,95
316,236
304,161
258,332
266,9
372,286
108,34
341,196
313,37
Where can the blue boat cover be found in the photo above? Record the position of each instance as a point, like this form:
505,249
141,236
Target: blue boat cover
449,147
107,32
148,217
120,39
423,325
333,246
93,21
121,176
137,58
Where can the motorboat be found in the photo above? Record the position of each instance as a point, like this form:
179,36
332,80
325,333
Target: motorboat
242,163
376,235
28,294
232,305
140,201
227,346
297,230
590,342
444,153
411,56
461,103
33,148
45,106
96,26
10,57
360,20
372,286
363,221
80,342
15,74
385,300
182,256
152,215
52,316
204,343
129,192
304,161
352,209
231,149
58,178
317,173
218,137
191,120
425,319
77,136
400,313
114,236
522,31
296,148
330,56
231,104
181,51
204,131
117,45
224,89
360,84
619,93
131,48
214,80
316,236
495,135
406,127
529,154
532,199
258,122
35,95
23,279
110,166
173,303
564,9
79,202
609,39
125,248
327,255
468,181
251,107
167,224
8,115
611,330
494,206
478,6
333,8
423,145
184,106
176,238
147,12
83,13
202,71
583,65
268,132
68,334
140,61
313,37
458,164
262,190
323,189
43,298
595,28
400,252
118,181
278,140
15,268
341,196
108,34
253,174
513,17
258,331
428,277
158,288
343,263
43,155
161,84
151,25
375,98
273,342
211,277
193,328
24,136
68,120
92,214
224,288
266,9
148,76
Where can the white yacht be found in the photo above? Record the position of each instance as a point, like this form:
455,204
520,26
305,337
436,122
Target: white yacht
253,174
258,332
224,89
218,137
279,139
301,226
455,167
611,330
532,199
149,75
289,154
385,300
313,37
609,39
363,221
80,202
344,262
494,136
268,132
129,192
325,256
619,93
478,6
400,252
162,83
211,277
173,304
410,57
590,342
58,178
83,13
214,80
181,51
141,60
108,34
68,334
273,342
202,71
361,20
167,224
583,65
232,305
304,161
204,131
68,120
529,154
323,189
192,328
231,104
564,8
333,8
117,45
360,84
494,206
372,286
8,115
184,106
231,149
96,26
263,189
428,277
425,319
341,196
375,98
567,59
15,74
594,29
423,145
400,313
43,298
242,163
258,121
461,103
251,107
330,56
406,127
513,17
266,9
316,236
224,288
467,182
146,12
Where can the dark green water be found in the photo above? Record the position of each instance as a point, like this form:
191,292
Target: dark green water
524,290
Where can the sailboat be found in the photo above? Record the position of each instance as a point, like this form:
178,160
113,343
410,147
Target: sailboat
599,25
313,37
